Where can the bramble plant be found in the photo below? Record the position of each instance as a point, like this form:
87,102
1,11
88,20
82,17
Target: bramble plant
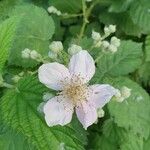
74,75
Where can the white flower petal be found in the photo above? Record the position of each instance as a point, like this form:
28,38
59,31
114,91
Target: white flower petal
58,111
82,64
51,74
102,94
86,114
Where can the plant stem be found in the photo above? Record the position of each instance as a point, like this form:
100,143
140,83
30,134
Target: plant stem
8,85
67,16
86,14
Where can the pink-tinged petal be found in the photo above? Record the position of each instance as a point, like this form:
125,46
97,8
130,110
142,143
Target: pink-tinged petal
86,114
101,94
82,64
51,74
58,111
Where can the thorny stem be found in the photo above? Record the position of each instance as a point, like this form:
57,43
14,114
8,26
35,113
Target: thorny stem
86,14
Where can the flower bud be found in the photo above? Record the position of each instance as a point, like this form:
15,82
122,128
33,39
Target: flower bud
34,54
52,55
105,44
54,10
122,94
118,96
40,107
47,96
112,28
126,92
106,30
115,41
100,113
56,46
96,36
73,49
112,48
26,53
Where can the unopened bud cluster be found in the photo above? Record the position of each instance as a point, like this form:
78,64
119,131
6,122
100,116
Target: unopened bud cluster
100,112
30,54
54,10
99,41
122,94
55,48
73,49
46,97
109,30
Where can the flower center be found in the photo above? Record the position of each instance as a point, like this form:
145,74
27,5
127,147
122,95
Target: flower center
75,90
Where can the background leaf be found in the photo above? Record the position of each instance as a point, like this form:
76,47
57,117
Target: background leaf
147,49
7,31
34,31
10,140
119,5
140,14
66,6
125,139
126,60
19,111
123,21
134,112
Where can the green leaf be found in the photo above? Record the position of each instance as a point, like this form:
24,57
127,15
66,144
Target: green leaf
147,144
123,21
140,14
112,132
59,35
10,140
119,5
33,31
7,31
147,48
6,7
126,140
100,142
144,73
40,3
131,142
113,137
19,111
133,113
126,60
66,6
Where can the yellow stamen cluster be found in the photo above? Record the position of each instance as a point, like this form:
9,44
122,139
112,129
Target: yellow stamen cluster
75,90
